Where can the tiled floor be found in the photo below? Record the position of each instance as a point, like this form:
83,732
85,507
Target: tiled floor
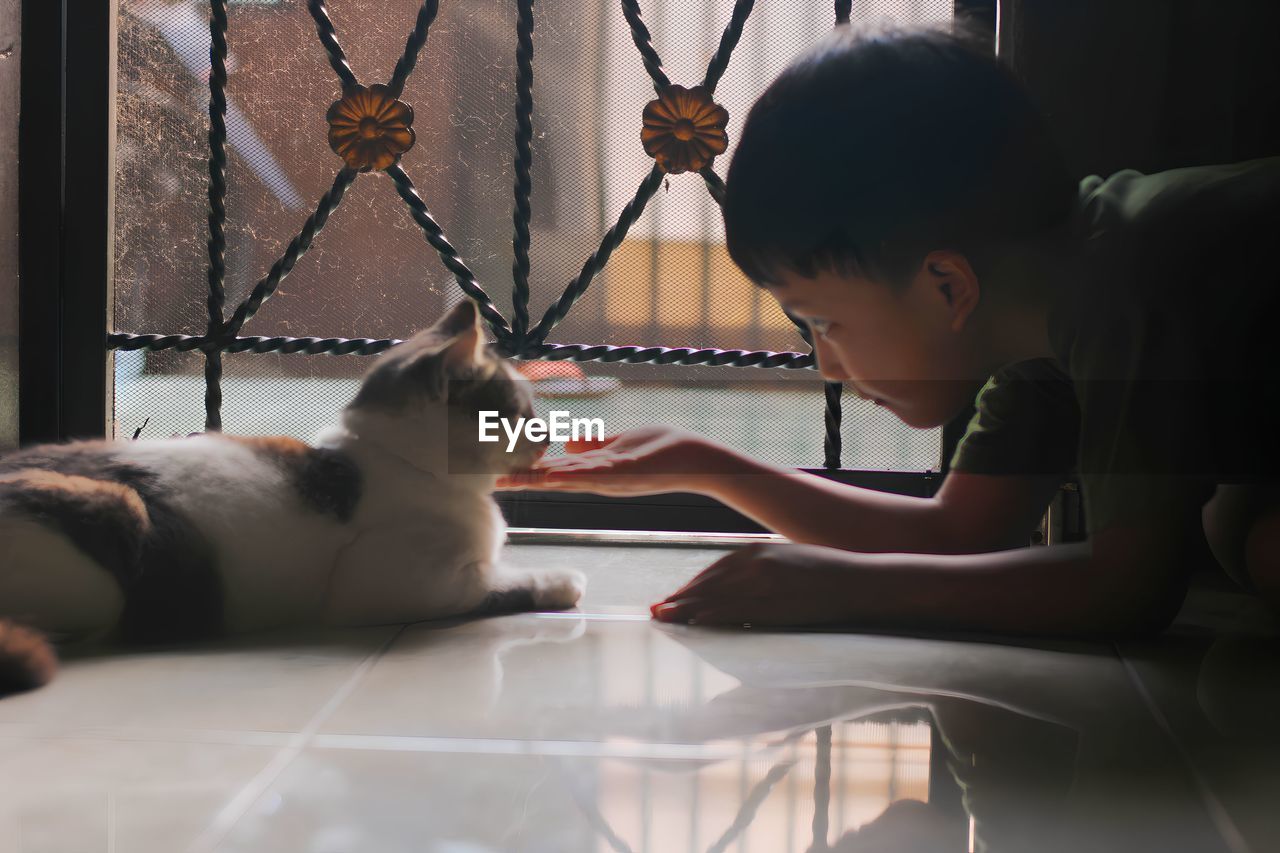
602,731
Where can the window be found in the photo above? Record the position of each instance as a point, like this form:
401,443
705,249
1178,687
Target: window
369,273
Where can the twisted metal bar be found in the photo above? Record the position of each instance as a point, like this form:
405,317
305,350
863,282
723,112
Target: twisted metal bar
728,41
611,240
644,43
413,46
607,354
715,184
844,8
329,38
522,211
832,442
217,244
682,356
256,345
448,254
298,246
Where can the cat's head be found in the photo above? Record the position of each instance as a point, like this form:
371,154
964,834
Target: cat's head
425,397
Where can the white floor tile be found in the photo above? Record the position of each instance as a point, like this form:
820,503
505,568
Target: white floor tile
600,730
271,684
69,795
1214,685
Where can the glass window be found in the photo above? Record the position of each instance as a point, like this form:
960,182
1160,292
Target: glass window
371,274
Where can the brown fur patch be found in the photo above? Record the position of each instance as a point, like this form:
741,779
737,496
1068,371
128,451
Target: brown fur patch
119,515
325,480
280,445
27,660
107,521
77,488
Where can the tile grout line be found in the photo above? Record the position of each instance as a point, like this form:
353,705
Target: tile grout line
239,805
528,747
1222,821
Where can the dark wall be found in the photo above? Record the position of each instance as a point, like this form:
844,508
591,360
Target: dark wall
10,60
1151,84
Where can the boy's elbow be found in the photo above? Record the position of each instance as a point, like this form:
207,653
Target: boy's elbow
1151,615
1141,575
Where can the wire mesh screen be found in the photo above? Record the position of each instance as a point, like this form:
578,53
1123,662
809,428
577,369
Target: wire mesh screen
366,271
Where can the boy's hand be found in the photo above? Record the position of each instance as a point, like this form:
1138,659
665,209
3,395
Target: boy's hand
766,584
645,461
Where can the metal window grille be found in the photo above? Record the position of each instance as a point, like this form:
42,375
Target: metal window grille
641,250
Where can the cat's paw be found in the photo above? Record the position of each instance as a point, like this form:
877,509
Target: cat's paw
559,590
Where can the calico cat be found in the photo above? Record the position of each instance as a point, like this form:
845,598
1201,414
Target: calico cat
390,518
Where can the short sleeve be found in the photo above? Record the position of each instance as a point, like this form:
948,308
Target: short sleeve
1146,445
1026,423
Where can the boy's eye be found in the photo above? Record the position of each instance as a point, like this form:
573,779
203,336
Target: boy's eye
820,327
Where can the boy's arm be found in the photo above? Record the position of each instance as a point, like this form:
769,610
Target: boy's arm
971,512
1127,580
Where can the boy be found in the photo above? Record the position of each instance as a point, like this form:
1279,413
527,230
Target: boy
897,191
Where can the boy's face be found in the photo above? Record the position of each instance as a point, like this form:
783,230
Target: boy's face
904,349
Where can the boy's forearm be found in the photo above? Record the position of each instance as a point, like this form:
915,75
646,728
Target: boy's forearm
816,511
1062,590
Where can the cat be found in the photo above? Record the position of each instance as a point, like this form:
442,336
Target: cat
389,518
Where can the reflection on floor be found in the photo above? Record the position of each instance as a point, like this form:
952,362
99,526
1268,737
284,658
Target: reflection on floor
602,731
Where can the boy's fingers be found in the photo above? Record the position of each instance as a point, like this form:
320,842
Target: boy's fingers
586,459
581,445
703,611
576,461
680,610
704,579
530,479
709,578
539,479
720,585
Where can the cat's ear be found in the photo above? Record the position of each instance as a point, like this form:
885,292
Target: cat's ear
460,332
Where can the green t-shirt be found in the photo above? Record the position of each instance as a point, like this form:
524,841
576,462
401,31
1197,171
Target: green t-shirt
1163,383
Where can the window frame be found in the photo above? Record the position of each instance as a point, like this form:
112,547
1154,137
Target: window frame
66,264
64,218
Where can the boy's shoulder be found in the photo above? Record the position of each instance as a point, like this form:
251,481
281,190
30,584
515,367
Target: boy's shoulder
1163,337
1186,248
1207,199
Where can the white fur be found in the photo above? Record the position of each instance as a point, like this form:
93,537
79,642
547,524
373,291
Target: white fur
47,583
272,553
423,542
429,540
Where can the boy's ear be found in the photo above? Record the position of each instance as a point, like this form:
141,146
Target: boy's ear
952,276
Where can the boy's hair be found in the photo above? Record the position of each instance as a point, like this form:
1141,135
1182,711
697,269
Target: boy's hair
883,144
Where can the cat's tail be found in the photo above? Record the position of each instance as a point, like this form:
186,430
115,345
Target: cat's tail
27,660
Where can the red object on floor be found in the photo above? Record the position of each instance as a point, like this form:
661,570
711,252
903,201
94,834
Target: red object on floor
538,370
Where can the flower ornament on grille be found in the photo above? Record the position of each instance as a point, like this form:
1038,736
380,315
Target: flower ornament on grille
369,128
684,129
